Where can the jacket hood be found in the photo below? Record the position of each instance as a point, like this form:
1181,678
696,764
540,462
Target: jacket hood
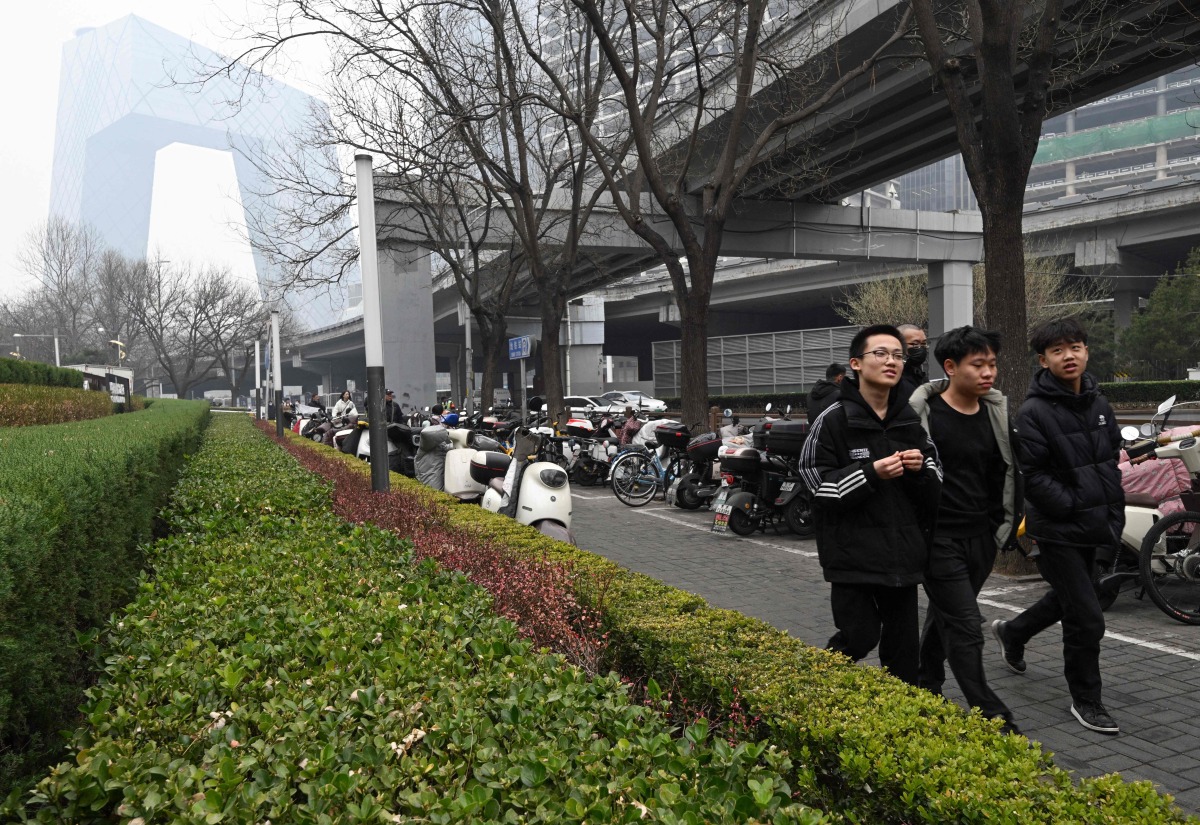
897,401
922,394
823,389
1045,385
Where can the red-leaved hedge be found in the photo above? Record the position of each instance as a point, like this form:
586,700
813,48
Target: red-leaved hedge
25,405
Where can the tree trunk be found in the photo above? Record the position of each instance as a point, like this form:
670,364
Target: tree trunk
693,359
1004,288
493,335
552,310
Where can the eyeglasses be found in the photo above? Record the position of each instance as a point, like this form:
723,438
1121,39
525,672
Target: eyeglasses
884,355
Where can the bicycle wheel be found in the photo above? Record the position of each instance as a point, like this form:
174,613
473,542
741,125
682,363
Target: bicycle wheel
1170,565
634,480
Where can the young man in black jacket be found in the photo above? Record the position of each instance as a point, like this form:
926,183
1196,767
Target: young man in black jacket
824,392
875,478
968,421
1073,504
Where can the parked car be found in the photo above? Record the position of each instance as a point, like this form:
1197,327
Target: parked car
581,405
636,399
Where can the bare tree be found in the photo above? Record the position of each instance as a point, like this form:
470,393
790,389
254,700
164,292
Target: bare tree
418,82
61,257
1050,292
230,317
1003,65
704,94
163,302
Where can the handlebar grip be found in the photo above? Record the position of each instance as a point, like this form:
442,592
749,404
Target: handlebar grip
1142,458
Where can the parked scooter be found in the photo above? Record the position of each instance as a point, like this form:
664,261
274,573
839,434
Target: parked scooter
537,492
768,488
1159,552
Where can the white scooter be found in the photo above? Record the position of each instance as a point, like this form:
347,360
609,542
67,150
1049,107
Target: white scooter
537,493
459,479
1160,551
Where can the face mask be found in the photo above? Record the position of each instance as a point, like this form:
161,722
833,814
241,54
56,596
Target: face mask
916,357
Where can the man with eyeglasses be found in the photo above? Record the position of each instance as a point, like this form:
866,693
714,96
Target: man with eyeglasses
916,350
876,482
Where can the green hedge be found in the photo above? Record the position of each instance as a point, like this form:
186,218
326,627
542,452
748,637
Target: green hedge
76,500
13,371
1150,393
285,666
882,751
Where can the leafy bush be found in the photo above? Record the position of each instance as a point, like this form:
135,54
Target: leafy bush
285,666
1150,393
881,751
25,405
13,371
76,500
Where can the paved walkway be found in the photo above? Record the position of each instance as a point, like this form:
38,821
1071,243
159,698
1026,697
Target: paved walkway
1150,663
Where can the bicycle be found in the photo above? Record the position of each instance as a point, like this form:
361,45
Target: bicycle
637,475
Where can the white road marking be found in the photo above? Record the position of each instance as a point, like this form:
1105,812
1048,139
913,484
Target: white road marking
1108,634
990,596
707,528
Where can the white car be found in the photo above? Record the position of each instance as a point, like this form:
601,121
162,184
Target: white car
581,405
636,399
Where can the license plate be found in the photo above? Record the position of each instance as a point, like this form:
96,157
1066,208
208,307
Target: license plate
788,486
721,518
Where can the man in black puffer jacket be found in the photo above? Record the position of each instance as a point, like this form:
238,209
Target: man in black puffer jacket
1073,504
824,392
876,479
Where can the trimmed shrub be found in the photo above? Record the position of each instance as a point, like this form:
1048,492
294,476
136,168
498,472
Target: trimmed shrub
285,666
1150,393
13,371
881,751
26,405
76,501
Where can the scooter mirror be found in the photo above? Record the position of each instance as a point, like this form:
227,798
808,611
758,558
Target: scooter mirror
1147,429
1130,433
1166,405
728,413
788,411
769,407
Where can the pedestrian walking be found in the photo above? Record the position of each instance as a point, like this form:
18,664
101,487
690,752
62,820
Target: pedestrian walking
967,419
916,350
824,392
875,479
1069,441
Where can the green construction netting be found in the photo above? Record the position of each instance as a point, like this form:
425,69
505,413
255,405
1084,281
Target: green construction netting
1145,132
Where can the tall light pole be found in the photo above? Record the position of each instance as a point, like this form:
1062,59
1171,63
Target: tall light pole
54,335
372,322
278,366
257,381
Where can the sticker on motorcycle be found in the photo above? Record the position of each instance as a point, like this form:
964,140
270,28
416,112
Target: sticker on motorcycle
721,518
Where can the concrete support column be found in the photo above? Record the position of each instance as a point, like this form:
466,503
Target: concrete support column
951,300
1125,304
406,297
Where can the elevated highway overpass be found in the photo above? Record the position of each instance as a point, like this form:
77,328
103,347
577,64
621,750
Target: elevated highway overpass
878,128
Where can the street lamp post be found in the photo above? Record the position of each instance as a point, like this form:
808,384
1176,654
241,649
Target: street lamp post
54,335
120,345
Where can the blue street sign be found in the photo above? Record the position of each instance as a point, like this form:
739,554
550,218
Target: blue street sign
519,348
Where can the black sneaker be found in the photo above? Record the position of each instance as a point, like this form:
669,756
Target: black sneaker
1093,716
1014,655
1008,726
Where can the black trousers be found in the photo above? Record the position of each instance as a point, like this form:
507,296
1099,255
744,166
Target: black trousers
953,631
867,615
1072,600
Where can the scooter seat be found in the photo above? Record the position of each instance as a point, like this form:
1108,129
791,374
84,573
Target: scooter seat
1141,500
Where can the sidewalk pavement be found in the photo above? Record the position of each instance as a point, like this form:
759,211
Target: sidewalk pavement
1150,663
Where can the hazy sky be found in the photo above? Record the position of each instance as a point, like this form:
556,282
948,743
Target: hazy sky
195,186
